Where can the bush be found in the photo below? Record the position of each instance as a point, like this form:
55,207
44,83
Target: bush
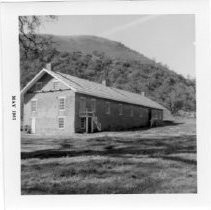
27,129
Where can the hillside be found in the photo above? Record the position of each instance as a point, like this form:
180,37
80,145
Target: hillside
95,58
90,44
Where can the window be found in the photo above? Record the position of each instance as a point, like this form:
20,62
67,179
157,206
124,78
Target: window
108,108
61,122
120,109
155,115
38,86
82,106
140,112
83,122
131,111
161,115
61,103
34,105
93,105
55,85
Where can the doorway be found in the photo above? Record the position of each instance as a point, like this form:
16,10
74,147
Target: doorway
149,117
33,125
89,125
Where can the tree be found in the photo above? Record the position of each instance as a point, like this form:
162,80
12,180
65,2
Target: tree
31,43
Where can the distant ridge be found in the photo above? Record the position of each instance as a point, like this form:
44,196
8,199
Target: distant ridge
89,44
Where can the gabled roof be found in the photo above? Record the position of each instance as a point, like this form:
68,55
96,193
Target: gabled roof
38,76
95,89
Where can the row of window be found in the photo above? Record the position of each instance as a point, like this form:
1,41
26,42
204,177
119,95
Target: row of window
61,104
61,122
39,85
82,107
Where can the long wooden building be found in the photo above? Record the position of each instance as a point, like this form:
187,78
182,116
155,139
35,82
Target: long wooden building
55,103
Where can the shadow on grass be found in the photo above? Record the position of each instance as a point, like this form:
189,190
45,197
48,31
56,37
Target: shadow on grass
188,161
152,147
164,124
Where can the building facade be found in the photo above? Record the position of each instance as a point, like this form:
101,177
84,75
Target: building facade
60,104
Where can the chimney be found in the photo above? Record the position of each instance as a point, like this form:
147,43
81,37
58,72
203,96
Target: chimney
143,93
104,82
105,78
48,66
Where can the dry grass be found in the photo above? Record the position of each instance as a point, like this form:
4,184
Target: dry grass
158,160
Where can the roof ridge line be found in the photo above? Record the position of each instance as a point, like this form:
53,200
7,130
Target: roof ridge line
112,88
62,74
123,94
85,80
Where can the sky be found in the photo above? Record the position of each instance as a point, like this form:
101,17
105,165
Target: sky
168,39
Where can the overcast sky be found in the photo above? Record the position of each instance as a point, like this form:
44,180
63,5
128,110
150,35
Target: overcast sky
168,39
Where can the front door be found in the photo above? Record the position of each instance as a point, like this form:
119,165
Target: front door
89,124
33,125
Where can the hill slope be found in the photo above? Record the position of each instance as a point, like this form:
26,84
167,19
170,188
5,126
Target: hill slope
89,44
93,58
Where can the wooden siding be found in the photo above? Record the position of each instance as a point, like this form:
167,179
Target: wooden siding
115,121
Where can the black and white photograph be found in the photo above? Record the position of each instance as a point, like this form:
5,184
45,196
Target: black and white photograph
105,104
108,104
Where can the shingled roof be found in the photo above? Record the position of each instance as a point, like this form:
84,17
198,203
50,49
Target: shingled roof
96,89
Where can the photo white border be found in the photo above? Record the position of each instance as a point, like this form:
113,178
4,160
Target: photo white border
11,129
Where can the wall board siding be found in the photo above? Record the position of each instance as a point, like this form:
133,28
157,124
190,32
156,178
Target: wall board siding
114,121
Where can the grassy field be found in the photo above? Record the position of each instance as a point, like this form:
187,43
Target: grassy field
157,160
